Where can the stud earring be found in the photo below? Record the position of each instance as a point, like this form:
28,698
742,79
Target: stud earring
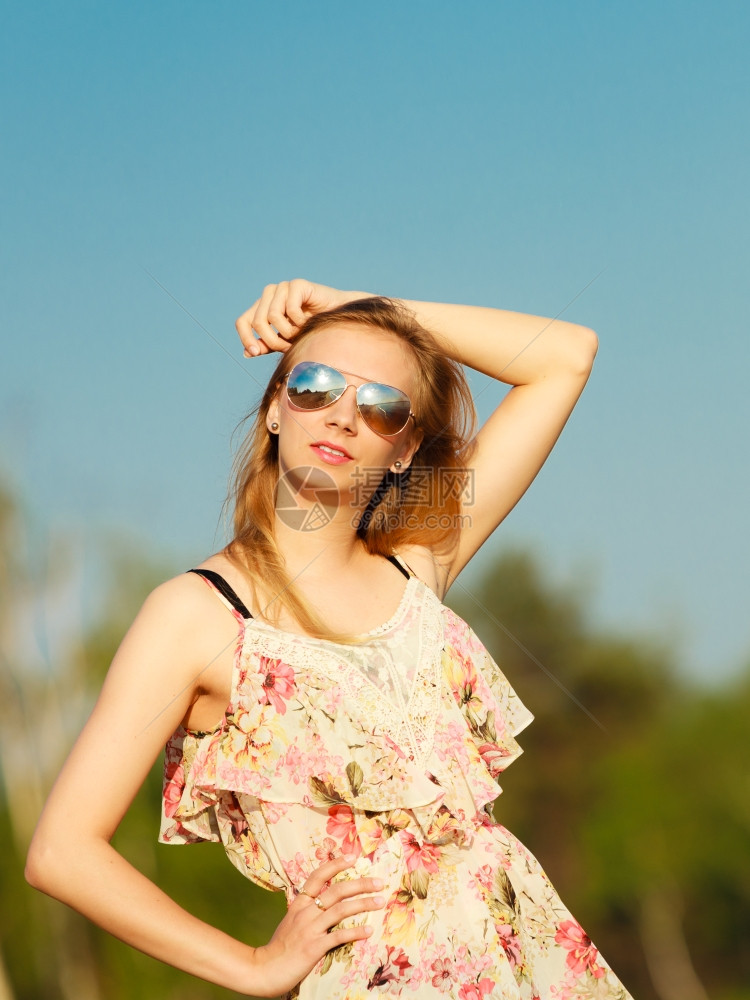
274,426
397,464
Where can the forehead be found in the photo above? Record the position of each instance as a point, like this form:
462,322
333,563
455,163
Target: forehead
366,353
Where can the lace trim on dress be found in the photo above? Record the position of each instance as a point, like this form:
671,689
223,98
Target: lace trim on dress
393,679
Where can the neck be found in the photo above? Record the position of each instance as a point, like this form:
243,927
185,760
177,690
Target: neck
319,551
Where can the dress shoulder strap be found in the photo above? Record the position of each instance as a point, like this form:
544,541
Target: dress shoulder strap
220,584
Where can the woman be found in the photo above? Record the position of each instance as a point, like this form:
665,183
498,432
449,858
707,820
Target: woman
337,729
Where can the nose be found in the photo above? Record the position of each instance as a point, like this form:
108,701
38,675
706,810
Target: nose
343,413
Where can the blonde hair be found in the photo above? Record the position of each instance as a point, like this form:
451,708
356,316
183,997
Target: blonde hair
444,413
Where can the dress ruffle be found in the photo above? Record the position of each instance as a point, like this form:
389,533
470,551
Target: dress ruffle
302,744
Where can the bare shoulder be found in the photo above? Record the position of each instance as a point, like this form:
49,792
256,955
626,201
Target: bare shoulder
183,602
180,625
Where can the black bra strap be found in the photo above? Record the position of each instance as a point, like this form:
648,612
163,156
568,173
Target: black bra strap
398,565
224,589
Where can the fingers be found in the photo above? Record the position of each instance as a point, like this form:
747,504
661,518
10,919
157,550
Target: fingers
339,902
343,899
275,318
244,327
339,891
261,318
267,318
299,296
277,311
351,908
340,896
322,875
343,935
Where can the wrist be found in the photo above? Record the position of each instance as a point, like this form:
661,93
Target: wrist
241,971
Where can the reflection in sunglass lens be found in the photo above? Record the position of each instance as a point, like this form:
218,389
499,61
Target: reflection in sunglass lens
385,410
311,386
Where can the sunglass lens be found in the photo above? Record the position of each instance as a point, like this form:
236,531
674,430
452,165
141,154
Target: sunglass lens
311,386
385,409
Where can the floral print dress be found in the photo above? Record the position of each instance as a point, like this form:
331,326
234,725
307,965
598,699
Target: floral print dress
388,751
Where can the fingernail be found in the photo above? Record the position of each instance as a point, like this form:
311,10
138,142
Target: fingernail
377,883
369,930
378,900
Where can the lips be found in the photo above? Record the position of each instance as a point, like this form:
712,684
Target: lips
334,450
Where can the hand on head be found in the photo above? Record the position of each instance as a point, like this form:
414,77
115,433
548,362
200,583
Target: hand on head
273,320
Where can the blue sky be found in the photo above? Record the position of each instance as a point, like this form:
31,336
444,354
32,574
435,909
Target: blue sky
531,156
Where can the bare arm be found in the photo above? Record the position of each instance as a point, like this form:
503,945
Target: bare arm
158,671
547,363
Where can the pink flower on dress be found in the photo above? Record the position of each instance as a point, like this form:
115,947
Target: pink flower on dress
278,683
394,746
174,776
274,811
293,762
452,746
331,700
484,876
443,974
475,991
297,869
470,966
420,856
510,944
493,757
341,826
394,967
327,851
581,952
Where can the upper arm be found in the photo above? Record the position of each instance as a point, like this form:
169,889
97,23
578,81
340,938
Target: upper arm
149,688
510,450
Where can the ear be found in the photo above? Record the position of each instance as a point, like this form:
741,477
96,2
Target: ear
408,450
273,415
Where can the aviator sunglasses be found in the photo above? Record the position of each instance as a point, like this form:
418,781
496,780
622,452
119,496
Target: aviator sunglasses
311,385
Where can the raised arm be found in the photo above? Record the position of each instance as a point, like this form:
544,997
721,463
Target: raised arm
545,361
177,647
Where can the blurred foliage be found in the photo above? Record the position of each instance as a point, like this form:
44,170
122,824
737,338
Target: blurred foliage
633,790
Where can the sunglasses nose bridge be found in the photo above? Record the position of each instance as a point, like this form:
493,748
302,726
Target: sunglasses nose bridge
345,404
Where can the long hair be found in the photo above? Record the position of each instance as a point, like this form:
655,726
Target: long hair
422,506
